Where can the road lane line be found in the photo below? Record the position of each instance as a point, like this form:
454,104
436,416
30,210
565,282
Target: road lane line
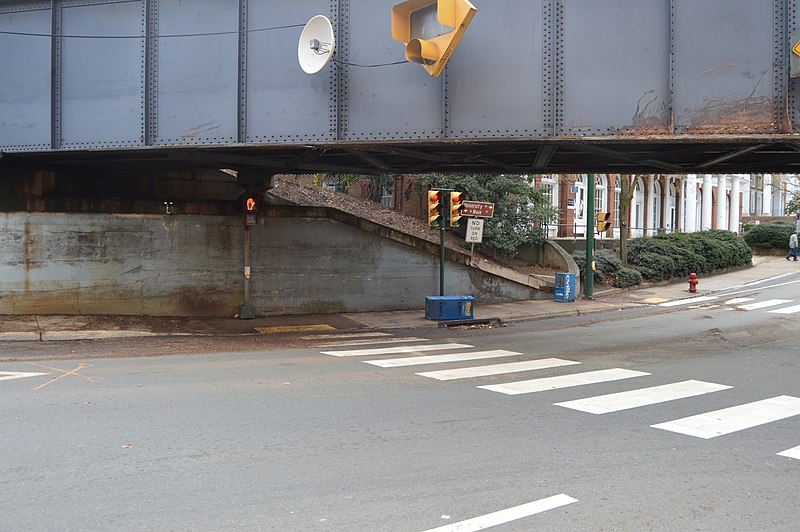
765,304
687,301
794,452
563,381
614,402
786,310
398,349
373,341
10,375
506,516
496,369
437,359
728,420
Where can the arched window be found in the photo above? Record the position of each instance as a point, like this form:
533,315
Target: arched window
637,220
654,216
615,221
671,206
549,185
600,193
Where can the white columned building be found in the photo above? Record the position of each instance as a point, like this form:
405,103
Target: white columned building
766,202
722,203
734,215
708,199
690,204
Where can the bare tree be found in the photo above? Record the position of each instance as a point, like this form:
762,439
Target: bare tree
625,197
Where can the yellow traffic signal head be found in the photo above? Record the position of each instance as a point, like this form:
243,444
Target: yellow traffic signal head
603,221
413,24
455,208
434,208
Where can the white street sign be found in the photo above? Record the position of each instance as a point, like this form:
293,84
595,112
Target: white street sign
8,375
475,230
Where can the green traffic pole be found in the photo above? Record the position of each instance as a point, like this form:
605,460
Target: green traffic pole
588,282
441,260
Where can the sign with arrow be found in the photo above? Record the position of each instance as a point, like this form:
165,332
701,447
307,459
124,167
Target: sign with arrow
9,375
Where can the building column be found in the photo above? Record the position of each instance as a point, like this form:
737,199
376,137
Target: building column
690,204
722,203
746,206
650,224
708,199
766,202
734,215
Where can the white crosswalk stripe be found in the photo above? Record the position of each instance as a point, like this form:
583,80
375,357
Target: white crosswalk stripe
398,349
738,300
496,369
604,404
323,336
688,301
563,381
794,452
786,310
764,304
734,419
373,341
439,359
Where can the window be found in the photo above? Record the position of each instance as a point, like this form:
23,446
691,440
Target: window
600,193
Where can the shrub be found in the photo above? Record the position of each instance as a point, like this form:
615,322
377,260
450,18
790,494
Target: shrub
770,235
663,257
626,278
609,270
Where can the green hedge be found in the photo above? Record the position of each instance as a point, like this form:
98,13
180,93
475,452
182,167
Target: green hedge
664,257
609,270
769,235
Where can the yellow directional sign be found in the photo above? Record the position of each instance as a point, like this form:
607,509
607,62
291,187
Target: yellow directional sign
796,48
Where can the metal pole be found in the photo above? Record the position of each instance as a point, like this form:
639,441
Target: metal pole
246,265
588,282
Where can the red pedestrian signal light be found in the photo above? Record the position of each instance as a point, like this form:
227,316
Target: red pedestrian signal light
455,208
250,211
435,216
250,204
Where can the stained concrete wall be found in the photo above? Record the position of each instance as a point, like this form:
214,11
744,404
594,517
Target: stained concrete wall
303,261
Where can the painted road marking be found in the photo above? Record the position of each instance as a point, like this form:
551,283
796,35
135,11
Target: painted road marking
374,341
614,402
688,301
786,310
10,375
496,369
509,514
728,420
765,304
738,300
563,381
342,336
438,359
294,328
654,300
794,452
398,349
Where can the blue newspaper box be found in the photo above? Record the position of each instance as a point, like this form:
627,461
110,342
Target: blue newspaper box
448,307
565,287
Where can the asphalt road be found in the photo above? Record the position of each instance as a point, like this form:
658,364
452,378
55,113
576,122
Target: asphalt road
262,437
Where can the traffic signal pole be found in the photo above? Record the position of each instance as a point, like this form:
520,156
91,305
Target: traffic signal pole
441,261
588,282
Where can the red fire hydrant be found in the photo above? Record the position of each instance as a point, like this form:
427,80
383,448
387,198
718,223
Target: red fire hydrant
693,282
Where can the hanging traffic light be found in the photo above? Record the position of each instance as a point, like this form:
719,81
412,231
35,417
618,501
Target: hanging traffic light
431,30
435,211
455,208
603,221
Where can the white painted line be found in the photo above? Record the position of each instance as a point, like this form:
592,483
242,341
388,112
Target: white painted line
323,336
738,300
687,301
794,452
563,381
373,341
786,310
728,420
496,369
398,349
10,375
506,516
614,402
438,359
765,304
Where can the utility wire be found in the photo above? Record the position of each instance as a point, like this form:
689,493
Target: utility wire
338,62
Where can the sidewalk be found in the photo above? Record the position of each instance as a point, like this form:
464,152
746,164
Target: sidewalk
53,328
